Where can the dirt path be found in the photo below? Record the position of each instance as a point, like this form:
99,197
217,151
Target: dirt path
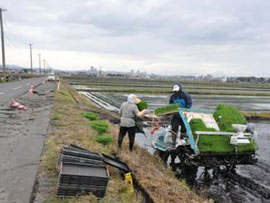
21,143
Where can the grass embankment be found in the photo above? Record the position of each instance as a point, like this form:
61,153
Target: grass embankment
253,115
69,126
15,76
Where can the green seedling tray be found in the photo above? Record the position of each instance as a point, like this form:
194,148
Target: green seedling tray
89,115
100,126
171,108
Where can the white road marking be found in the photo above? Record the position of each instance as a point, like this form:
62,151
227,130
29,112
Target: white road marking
15,88
2,93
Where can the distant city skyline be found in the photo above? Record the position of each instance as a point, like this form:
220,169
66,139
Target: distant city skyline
185,37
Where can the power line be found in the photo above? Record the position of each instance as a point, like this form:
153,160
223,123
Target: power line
16,31
13,46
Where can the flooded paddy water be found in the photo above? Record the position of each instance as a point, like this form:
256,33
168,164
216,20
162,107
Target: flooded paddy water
250,183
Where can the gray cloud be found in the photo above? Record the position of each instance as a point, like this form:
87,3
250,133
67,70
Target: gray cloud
185,36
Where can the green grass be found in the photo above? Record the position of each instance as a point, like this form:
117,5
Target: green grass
226,115
89,115
142,105
100,126
167,109
56,116
103,139
262,115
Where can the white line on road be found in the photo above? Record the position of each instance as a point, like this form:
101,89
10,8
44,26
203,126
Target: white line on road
15,88
2,93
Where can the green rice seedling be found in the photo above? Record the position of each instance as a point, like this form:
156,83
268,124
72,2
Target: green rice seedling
171,108
103,139
220,145
226,115
142,105
197,124
100,126
91,116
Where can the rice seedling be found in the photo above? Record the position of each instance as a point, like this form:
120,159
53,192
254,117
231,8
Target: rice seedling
142,105
167,109
226,115
197,124
103,139
91,116
100,126
220,145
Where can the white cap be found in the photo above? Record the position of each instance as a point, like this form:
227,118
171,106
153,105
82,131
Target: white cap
176,88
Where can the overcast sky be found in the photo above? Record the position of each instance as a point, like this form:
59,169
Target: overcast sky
228,37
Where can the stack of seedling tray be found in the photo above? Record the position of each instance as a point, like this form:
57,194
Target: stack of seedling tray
81,172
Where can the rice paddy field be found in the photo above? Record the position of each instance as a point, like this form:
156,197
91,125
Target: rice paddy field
246,96
249,183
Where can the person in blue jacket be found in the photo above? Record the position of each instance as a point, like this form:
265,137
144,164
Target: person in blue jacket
185,101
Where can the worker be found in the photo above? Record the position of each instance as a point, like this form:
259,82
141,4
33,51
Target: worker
128,113
184,100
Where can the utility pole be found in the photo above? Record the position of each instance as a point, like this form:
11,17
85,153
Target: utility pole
44,65
39,56
31,61
3,41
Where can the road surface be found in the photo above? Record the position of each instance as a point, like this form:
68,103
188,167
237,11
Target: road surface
22,135
17,88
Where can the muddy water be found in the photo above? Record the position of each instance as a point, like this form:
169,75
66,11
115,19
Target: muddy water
200,101
250,183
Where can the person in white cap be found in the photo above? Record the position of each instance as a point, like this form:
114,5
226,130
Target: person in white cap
128,113
185,101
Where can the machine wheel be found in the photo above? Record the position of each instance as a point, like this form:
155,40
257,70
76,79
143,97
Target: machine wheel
174,158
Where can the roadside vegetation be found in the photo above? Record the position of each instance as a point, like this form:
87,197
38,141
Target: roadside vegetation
68,125
14,76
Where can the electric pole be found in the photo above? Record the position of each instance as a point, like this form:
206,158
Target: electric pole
31,61
39,56
3,41
44,65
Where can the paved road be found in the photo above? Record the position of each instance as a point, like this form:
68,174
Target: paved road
17,88
22,137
